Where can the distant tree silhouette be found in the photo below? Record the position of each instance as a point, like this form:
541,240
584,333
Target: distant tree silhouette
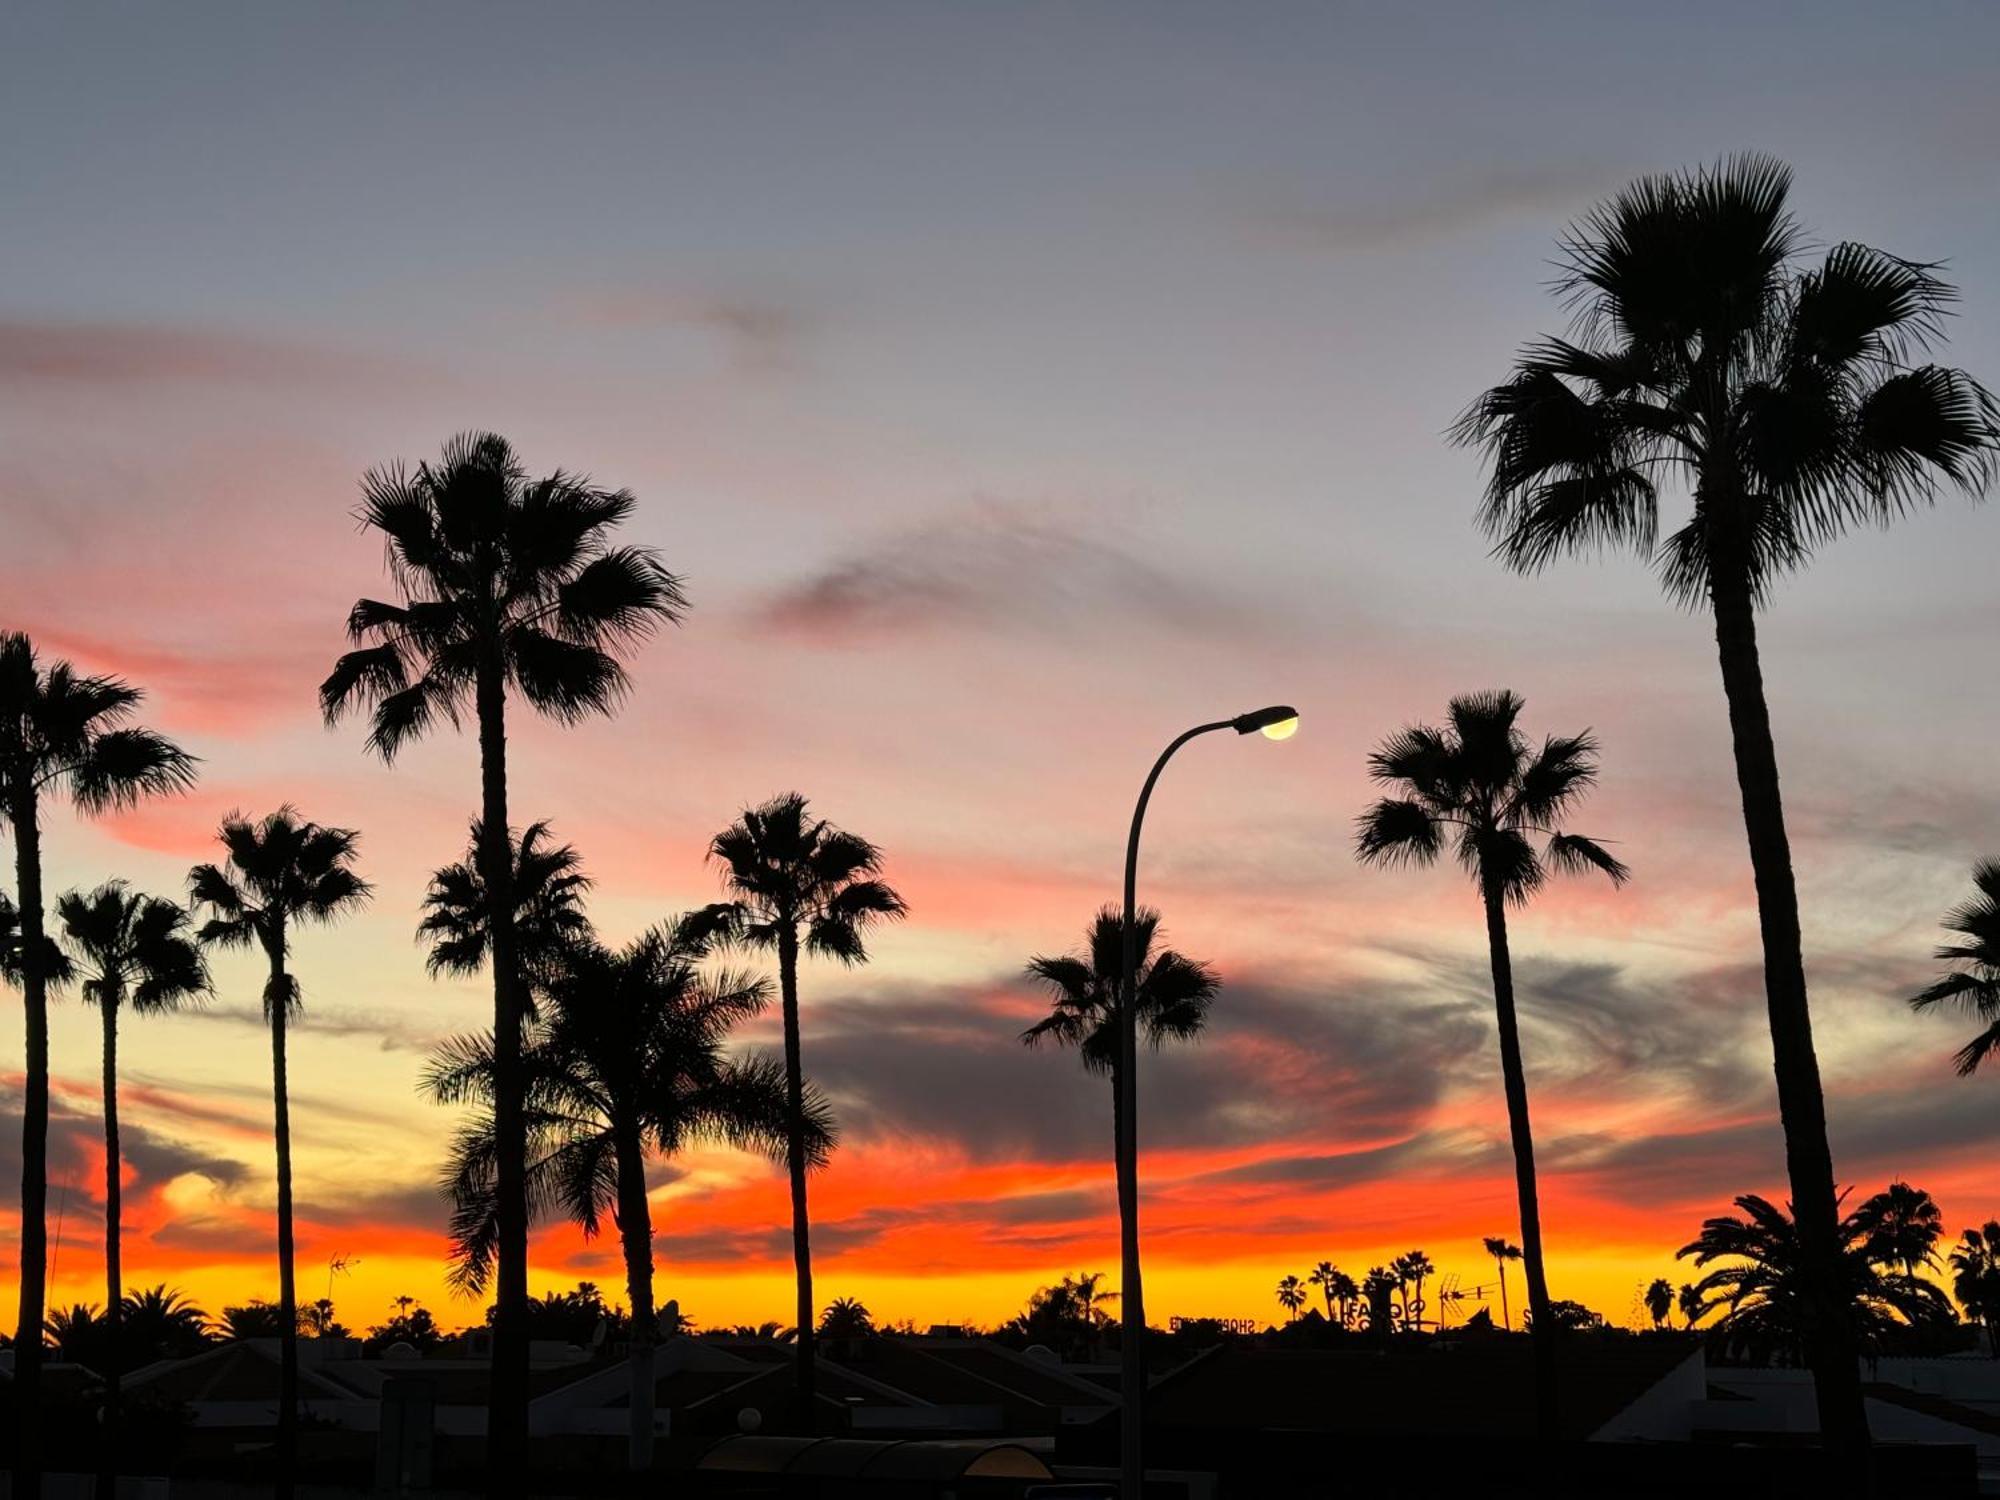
1378,1301
320,1322
626,1057
1336,1287
1975,1279
1901,1225
1790,402
548,887
845,1318
413,1324
1291,1296
82,1335
1068,1316
797,881
1659,1300
1974,985
127,949
1478,788
1760,1287
280,873
161,1323
1567,1316
1689,1301
1502,1252
1411,1272
61,734
509,586
255,1319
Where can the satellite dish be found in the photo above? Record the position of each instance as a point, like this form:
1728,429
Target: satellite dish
749,1419
400,1350
1042,1354
600,1333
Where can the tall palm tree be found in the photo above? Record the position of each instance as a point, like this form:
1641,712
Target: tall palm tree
1326,1276
794,880
1502,1252
61,734
1789,401
280,873
1412,1271
1659,1300
1974,986
1975,1279
1690,1304
1762,1288
1902,1225
1478,787
508,585
1291,1297
626,1057
138,950
547,885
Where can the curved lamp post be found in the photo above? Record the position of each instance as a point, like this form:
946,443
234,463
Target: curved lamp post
1279,722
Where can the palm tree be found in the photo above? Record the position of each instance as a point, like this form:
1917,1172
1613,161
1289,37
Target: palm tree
1689,1302
1502,1252
280,873
795,878
1378,1307
1412,1271
1326,1276
1975,1278
846,1318
126,948
61,733
1764,1292
626,1057
1659,1300
1346,1297
1974,986
163,1323
508,584
1788,401
1902,1225
1291,1296
548,886
1479,786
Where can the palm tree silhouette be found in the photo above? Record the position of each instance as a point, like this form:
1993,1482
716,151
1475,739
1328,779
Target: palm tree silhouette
1412,1271
846,1318
1975,1278
797,879
508,585
1478,786
279,873
1291,1296
547,885
626,1057
1689,1301
1974,986
61,734
1502,1252
1327,1276
161,1322
1902,1225
1659,1300
1788,401
1762,1287
137,950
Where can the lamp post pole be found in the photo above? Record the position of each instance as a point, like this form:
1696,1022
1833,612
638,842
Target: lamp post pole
1276,723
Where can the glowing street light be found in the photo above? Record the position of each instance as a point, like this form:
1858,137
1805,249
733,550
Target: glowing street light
1279,722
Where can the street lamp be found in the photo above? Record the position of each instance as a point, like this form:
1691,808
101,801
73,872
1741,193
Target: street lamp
1279,722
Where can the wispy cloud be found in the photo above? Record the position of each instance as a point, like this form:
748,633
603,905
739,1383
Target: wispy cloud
758,335
1437,208
992,564
105,353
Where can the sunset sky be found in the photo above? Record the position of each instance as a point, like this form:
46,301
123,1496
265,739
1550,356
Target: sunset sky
1014,386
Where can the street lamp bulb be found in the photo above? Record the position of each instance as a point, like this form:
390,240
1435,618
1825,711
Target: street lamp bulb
1280,721
1284,729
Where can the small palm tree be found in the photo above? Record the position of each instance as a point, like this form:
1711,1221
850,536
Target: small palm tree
548,886
280,873
1502,1252
1659,1300
61,734
1760,1283
510,587
1291,1296
1477,787
1975,1278
626,1058
135,950
1791,403
163,1323
1689,1301
796,881
845,1318
1973,986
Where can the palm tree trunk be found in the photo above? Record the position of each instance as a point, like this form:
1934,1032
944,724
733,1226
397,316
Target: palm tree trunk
1514,1079
795,1161
507,1396
635,1231
1833,1350
114,1287
34,1152
278,1001
1506,1316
